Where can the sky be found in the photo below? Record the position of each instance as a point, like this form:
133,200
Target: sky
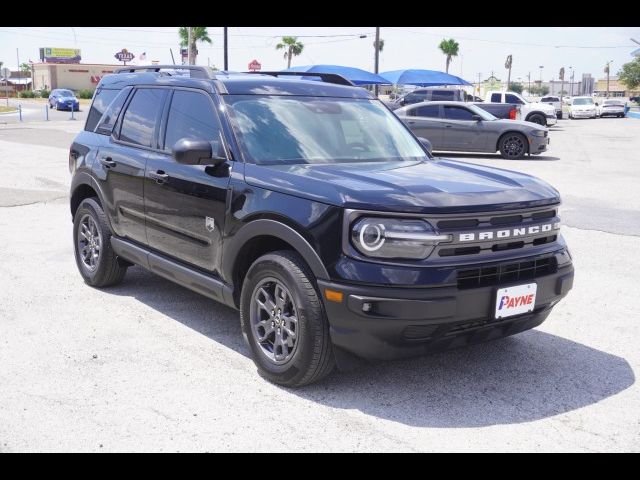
482,49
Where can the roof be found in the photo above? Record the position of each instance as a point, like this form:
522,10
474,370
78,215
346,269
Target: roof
238,84
16,81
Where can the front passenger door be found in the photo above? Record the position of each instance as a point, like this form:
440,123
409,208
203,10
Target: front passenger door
185,204
461,132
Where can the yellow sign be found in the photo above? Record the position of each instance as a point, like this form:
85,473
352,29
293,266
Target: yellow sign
62,52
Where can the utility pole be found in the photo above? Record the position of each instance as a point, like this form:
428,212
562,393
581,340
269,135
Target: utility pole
377,57
606,69
571,68
529,77
507,65
20,71
561,83
189,46
226,51
479,82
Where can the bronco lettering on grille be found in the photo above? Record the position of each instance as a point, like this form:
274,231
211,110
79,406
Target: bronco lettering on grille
508,233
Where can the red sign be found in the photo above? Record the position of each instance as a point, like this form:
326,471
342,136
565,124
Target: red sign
254,65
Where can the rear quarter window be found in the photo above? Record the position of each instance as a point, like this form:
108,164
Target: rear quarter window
101,102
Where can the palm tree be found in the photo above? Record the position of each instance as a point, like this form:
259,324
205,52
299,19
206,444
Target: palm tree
450,49
198,34
292,48
380,45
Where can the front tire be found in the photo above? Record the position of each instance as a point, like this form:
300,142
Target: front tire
283,321
513,146
539,119
96,260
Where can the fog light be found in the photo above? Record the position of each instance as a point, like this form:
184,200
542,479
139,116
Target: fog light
366,307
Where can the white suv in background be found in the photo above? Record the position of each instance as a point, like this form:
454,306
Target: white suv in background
582,107
555,102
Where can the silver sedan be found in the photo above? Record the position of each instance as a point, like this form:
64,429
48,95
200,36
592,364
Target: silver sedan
463,127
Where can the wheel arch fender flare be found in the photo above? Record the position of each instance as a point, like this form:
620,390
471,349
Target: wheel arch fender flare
535,112
502,135
81,179
261,227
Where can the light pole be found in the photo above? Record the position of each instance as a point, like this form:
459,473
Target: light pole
606,69
376,57
529,77
479,82
188,46
226,52
571,68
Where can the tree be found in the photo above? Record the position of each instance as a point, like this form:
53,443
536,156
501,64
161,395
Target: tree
539,90
515,87
630,74
380,45
198,34
450,49
292,48
25,67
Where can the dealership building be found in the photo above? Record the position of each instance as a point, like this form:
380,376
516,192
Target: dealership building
74,76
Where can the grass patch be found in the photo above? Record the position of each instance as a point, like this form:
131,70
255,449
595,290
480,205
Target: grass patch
4,109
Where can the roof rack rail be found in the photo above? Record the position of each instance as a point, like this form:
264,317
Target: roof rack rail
194,70
325,77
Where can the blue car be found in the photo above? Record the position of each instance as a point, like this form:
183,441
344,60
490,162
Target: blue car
63,99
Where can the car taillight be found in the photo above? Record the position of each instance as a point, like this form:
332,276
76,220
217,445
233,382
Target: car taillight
512,113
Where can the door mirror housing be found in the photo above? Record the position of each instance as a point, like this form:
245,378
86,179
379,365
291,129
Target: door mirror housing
426,144
476,118
195,151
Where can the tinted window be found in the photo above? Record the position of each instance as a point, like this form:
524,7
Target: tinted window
191,116
426,111
140,119
443,95
109,117
415,97
457,113
509,98
550,99
101,101
495,97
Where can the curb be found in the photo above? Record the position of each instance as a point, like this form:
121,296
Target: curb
633,114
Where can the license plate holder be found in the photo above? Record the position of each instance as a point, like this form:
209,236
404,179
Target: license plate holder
515,300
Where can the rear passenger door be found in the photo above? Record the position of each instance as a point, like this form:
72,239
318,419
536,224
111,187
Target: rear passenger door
424,121
121,160
185,204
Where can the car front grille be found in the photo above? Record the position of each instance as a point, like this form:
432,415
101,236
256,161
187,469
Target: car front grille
508,231
506,273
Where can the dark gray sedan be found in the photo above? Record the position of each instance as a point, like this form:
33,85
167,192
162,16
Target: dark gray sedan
463,127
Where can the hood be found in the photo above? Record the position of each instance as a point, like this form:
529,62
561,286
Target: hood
436,186
545,107
524,124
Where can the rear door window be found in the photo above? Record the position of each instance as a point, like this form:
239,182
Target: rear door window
443,95
496,97
110,116
430,111
142,117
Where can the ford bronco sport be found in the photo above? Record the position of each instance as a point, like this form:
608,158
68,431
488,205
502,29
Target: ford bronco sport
312,209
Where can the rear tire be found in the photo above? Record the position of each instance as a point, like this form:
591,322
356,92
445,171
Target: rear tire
513,146
539,119
283,321
96,260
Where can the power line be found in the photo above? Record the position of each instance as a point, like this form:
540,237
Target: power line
506,42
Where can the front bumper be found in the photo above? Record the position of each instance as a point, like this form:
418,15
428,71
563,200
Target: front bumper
68,106
403,322
587,114
551,119
538,144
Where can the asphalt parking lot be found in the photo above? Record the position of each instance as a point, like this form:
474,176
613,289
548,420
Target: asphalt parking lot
151,366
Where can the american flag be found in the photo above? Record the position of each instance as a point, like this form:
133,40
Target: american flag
143,56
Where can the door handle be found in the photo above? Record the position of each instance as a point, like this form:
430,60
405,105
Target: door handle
448,126
159,176
411,122
107,162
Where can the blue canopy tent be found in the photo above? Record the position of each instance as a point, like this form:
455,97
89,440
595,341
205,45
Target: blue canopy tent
354,75
422,78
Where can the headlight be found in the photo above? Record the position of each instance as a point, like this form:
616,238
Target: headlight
395,238
537,133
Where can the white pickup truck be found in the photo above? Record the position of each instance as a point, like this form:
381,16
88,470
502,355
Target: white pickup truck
529,111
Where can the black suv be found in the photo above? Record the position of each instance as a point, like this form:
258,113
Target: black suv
312,209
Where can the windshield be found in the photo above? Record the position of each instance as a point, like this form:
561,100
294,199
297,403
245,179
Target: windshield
483,113
583,101
288,129
65,93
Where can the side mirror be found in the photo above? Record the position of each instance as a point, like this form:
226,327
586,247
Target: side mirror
426,144
194,151
597,104
476,118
